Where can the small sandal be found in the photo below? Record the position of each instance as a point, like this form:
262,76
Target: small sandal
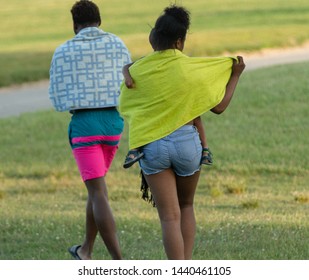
132,157
73,251
206,157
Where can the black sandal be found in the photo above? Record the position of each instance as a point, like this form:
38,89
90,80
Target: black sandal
132,157
206,157
73,252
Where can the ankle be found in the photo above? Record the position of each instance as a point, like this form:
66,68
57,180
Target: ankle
84,253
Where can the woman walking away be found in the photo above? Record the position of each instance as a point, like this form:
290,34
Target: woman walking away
170,91
85,76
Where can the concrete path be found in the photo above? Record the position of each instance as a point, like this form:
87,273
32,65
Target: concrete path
25,98
34,96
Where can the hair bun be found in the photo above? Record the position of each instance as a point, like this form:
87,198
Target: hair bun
179,13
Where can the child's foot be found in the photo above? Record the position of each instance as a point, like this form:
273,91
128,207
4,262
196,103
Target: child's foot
132,157
206,157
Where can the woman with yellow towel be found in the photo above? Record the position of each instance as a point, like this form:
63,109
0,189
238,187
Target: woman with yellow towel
171,90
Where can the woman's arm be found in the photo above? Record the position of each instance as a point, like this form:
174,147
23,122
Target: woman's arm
237,69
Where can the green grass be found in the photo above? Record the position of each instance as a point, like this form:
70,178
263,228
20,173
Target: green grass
251,204
32,30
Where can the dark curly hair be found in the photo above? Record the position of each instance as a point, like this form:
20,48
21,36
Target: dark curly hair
85,12
172,25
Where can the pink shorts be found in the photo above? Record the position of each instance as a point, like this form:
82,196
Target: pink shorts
94,137
94,161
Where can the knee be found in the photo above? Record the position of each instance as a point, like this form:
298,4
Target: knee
96,188
171,216
185,204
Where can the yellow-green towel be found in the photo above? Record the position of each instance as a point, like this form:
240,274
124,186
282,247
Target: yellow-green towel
170,90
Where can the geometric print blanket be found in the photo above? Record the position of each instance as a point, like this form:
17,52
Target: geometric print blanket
86,71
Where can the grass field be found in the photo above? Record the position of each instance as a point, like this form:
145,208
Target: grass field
252,204
31,30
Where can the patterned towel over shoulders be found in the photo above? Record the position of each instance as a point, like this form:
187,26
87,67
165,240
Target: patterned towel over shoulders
86,71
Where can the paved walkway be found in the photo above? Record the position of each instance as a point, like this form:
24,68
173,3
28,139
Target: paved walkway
34,96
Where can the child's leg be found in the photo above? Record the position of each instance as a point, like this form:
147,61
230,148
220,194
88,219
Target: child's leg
133,156
206,155
200,128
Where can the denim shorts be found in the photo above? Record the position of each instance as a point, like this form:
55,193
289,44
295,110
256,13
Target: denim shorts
181,151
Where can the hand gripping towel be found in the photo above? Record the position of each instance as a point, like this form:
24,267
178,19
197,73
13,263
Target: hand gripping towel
86,71
170,90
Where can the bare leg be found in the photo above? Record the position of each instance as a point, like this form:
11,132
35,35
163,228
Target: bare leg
201,130
174,196
85,251
186,187
163,189
99,217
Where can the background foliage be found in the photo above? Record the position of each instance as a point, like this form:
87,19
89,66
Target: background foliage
31,30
